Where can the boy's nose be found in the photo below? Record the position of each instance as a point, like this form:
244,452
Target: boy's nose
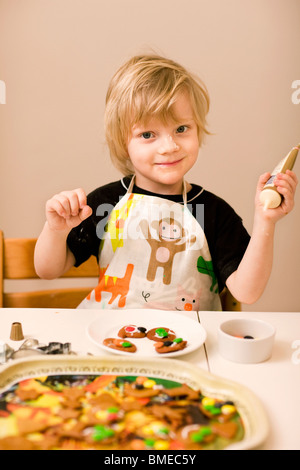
167,144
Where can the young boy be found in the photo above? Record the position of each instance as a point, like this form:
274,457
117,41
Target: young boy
166,244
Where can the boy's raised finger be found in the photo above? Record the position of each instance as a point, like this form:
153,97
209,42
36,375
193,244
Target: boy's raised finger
85,212
53,206
81,197
64,200
73,201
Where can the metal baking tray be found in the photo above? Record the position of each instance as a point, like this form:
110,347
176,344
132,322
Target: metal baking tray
249,407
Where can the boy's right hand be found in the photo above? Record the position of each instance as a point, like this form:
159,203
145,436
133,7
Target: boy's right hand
67,210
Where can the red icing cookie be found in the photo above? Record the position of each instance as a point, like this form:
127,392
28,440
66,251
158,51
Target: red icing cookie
132,331
120,345
161,334
163,347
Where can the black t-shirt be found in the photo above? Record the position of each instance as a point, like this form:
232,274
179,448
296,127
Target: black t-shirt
226,236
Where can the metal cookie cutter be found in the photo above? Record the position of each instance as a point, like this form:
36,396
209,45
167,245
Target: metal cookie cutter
32,347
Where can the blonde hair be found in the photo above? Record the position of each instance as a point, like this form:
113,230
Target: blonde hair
147,86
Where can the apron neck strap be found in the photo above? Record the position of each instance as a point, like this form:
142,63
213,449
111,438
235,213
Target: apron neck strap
131,184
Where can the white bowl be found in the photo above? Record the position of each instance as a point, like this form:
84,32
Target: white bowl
234,346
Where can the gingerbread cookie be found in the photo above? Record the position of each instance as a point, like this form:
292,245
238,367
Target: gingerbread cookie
163,347
132,331
115,412
115,343
162,334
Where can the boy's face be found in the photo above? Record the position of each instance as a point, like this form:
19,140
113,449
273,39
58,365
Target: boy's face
162,153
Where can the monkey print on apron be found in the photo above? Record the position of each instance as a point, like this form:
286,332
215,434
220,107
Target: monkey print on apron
154,254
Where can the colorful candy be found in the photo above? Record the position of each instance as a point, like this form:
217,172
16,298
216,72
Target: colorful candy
200,435
102,432
161,332
115,412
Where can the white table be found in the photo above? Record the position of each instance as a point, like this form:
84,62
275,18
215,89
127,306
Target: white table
275,382
69,326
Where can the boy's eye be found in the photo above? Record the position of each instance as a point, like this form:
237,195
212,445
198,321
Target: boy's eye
181,129
147,135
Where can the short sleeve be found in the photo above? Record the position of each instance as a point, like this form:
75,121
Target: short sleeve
227,237
84,240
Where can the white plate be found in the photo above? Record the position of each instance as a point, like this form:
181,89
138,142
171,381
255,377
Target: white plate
108,326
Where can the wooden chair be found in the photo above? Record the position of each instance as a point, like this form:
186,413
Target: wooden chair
228,302
16,262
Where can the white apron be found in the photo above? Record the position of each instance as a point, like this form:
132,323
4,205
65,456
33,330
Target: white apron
154,254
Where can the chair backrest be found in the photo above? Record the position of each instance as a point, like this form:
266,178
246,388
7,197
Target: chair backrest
16,262
229,303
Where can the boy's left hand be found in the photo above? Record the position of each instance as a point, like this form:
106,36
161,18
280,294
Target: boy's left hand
286,184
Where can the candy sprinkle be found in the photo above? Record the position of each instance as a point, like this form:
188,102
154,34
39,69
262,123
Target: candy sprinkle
198,436
102,432
207,401
129,329
161,332
228,409
149,383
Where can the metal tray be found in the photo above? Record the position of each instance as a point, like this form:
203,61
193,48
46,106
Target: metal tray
253,414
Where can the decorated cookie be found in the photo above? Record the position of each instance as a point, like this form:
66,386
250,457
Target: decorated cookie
120,345
142,388
161,334
163,347
196,434
115,412
132,331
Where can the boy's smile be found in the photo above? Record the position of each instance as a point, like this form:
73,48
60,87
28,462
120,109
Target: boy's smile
163,152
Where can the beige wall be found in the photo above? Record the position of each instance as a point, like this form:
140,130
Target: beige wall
57,56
